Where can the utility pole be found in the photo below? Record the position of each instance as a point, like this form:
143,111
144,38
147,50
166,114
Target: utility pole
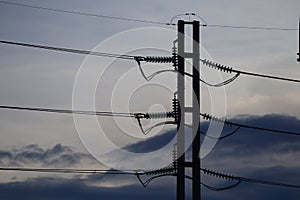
182,164
298,59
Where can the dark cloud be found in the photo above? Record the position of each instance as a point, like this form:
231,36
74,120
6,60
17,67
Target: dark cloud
153,143
260,147
58,156
252,154
47,188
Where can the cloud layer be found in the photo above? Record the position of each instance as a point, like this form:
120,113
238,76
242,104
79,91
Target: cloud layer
253,154
35,156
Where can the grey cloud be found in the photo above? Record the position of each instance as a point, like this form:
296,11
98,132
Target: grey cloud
247,154
57,156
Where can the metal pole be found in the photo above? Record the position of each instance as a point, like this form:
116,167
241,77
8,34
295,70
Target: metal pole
298,59
180,126
195,113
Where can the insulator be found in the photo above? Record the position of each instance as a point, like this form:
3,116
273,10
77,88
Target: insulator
175,57
218,174
161,59
160,115
165,170
175,105
174,157
217,119
217,66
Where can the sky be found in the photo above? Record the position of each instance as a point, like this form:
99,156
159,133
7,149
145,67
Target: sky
40,78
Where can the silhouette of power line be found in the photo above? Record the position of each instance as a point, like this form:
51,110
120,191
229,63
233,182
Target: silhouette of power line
68,171
134,57
230,123
228,69
171,59
249,180
143,115
85,14
264,28
69,50
64,111
252,27
158,173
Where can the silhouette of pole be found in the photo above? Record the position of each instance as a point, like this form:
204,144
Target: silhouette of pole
180,126
298,59
182,164
195,113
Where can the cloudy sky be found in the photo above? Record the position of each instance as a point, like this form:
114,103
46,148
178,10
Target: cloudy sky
40,78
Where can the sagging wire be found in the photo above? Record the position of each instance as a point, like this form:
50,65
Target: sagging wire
230,123
154,60
220,175
175,114
221,188
226,82
157,115
167,171
221,137
228,69
249,180
171,59
216,189
216,138
147,131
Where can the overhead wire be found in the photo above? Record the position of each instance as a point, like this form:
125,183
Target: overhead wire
151,76
69,50
145,183
67,171
163,172
226,82
138,59
85,13
141,115
264,28
65,111
230,123
148,130
213,137
134,57
238,72
228,69
249,180
252,27
216,189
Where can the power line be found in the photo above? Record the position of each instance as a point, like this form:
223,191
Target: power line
252,27
155,59
208,63
228,69
146,21
69,50
64,111
86,14
215,138
216,189
159,172
250,180
67,171
230,123
226,82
